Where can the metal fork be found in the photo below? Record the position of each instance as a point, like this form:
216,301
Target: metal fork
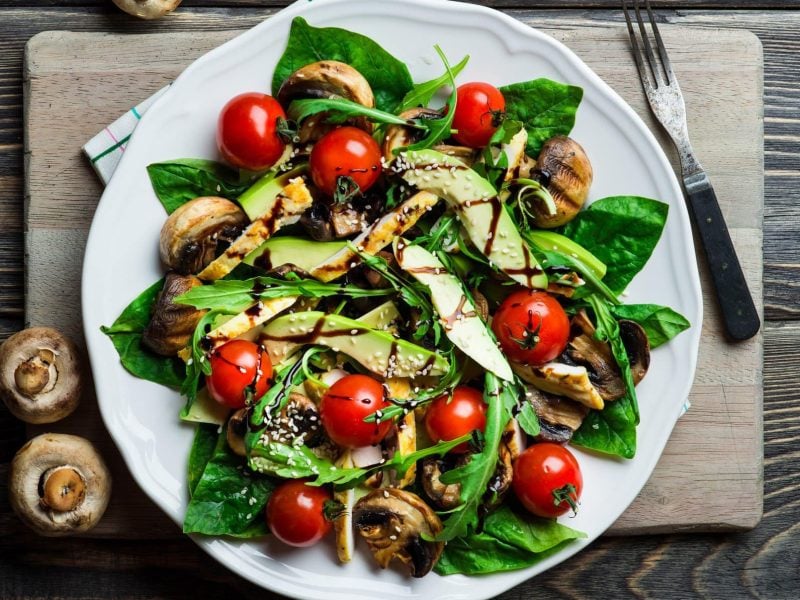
666,101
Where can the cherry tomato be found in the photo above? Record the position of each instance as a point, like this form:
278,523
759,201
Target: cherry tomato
547,480
345,152
247,131
448,418
344,407
531,327
296,513
479,111
237,366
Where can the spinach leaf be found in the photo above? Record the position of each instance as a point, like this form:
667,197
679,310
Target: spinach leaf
203,446
228,499
422,93
660,323
621,231
610,431
546,107
388,77
510,540
126,335
528,420
177,181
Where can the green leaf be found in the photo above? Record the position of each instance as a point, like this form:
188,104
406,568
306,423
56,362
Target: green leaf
660,323
422,93
509,541
528,420
546,107
494,169
228,499
177,181
610,431
622,232
203,446
439,129
341,109
126,335
388,77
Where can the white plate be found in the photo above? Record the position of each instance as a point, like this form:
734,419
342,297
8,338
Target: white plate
122,260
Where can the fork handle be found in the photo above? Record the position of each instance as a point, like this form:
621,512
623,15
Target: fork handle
738,310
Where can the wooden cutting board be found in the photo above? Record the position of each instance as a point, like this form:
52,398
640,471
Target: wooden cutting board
710,475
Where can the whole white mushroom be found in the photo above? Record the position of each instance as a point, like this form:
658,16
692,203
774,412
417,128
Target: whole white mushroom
147,9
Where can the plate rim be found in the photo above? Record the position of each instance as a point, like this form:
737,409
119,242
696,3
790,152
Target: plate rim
214,546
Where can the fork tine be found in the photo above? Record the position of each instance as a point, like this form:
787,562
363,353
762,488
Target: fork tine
662,50
644,75
647,48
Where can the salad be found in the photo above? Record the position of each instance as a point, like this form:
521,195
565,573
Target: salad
390,313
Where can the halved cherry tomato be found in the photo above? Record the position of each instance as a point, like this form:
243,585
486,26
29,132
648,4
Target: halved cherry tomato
531,327
479,111
345,152
236,367
345,406
449,418
247,131
296,513
548,480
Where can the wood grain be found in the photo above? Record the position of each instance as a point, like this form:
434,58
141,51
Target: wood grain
761,563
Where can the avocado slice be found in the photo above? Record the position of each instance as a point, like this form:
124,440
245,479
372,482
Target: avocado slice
461,322
257,199
481,211
205,409
300,252
376,350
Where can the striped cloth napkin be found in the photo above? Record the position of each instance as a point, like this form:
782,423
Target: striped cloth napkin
105,149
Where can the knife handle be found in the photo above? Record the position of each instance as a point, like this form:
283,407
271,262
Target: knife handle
738,310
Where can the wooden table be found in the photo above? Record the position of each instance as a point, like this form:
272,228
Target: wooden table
763,562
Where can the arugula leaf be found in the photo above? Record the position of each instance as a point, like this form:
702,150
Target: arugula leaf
234,295
546,107
660,323
228,499
203,446
475,475
341,109
126,335
177,181
422,93
510,540
388,77
622,232
439,129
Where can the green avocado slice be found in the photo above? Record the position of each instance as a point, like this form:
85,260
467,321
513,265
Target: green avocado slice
481,211
462,325
376,350
301,252
257,199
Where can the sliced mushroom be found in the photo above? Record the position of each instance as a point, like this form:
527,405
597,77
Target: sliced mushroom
317,222
347,221
198,231
562,380
171,325
559,417
235,431
40,375
59,485
397,524
297,423
445,496
326,79
147,9
500,482
565,171
637,344
400,136
463,153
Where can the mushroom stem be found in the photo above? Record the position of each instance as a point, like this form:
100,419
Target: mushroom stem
62,489
37,373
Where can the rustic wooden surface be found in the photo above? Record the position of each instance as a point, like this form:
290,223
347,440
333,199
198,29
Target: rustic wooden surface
761,563
65,72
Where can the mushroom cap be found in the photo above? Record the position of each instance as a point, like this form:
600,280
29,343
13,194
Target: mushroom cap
83,482
190,235
171,325
147,9
400,136
393,523
564,169
40,375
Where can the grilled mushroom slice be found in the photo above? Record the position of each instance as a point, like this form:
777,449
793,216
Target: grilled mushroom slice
564,170
400,136
171,325
59,485
198,231
443,495
326,79
40,375
297,423
393,523
147,9
559,417
637,344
